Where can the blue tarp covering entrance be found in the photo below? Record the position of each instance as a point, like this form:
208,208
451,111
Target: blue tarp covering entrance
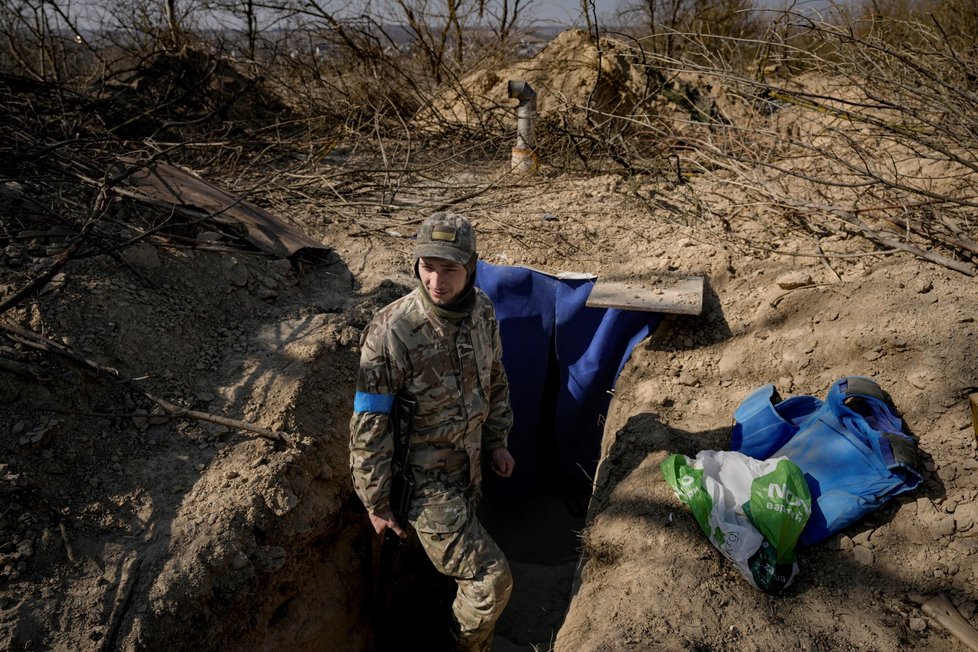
562,359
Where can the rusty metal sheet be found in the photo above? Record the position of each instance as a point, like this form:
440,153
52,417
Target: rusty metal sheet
178,187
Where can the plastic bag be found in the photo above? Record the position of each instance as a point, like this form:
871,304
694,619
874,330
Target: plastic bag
753,511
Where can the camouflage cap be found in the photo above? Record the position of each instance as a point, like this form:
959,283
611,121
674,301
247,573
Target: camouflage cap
446,235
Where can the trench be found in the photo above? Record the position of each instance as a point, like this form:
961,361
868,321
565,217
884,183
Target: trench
538,531
537,525
562,359
341,586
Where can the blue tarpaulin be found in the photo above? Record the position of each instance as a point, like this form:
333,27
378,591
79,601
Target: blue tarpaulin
562,359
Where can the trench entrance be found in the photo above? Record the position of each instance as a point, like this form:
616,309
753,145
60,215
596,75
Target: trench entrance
539,534
562,359
538,531
536,522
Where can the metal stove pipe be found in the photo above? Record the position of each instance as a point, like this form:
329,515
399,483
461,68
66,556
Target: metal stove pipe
524,157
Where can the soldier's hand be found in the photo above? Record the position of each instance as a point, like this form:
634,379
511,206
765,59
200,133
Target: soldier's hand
384,520
502,462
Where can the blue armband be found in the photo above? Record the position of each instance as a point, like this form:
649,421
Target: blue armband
366,402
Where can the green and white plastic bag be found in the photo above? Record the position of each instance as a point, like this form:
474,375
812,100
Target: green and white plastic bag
752,510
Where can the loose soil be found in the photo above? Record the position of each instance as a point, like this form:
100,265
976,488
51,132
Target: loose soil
124,528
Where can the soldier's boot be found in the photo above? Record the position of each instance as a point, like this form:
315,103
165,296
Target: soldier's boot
478,641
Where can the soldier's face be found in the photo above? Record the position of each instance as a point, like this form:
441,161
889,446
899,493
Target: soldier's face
443,279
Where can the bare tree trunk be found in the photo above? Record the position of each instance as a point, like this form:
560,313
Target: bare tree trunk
170,7
676,10
506,21
586,7
252,28
42,31
453,20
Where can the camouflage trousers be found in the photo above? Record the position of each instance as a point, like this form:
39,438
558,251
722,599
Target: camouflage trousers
459,547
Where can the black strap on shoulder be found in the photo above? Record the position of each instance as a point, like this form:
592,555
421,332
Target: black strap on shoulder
859,386
902,456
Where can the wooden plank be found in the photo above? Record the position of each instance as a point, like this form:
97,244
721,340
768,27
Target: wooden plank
673,294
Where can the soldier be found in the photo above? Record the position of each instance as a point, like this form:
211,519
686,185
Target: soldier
439,346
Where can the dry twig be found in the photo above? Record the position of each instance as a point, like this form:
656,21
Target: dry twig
39,342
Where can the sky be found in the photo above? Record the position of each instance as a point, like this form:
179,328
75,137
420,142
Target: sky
561,12
568,12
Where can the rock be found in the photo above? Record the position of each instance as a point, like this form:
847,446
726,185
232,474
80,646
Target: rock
921,378
281,501
934,521
918,624
862,539
281,266
142,254
25,549
944,526
271,559
730,362
266,293
55,284
140,418
687,379
964,520
863,555
845,543
921,285
794,280
238,276
210,236
873,354
239,561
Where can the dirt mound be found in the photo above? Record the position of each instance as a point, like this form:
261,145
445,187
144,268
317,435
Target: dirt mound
184,91
574,76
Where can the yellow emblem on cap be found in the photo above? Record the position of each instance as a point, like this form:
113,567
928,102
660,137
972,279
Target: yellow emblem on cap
443,233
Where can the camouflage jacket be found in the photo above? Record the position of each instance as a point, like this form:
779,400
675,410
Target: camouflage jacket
455,373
